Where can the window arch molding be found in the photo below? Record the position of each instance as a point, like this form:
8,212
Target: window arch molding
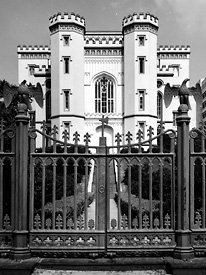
104,87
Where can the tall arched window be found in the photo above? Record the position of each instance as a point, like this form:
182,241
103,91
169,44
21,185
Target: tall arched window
104,95
48,105
159,105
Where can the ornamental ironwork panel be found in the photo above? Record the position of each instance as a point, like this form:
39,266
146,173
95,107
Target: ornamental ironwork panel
198,189
7,170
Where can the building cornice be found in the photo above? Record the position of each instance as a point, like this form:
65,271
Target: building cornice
66,115
139,115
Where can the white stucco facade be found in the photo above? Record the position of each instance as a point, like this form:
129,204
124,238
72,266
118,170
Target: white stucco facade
120,75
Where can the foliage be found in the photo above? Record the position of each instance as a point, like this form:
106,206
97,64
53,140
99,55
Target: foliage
145,180
124,205
80,204
166,177
7,114
166,144
49,181
133,150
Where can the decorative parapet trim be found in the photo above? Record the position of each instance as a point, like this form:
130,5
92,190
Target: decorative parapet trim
103,39
169,49
140,27
34,48
173,52
141,22
34,56
66,27
64,21
103,60
173,55
34,52
99,115
103,52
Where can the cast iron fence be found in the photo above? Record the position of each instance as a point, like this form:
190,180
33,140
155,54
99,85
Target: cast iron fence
131,199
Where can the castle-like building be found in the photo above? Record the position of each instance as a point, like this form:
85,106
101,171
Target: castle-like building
120,75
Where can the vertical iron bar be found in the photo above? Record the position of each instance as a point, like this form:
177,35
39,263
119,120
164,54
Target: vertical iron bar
12,192
43,194
129,196
96,195
118,199
43,143
161,195
150,194
31,216
86,195
140,196
31,171
192,221
64,194
203,195
173,190
75,195
1,193
54,195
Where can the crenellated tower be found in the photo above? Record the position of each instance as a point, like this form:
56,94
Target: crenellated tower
140,72
67,72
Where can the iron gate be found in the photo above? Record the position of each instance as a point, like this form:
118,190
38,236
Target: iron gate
97,201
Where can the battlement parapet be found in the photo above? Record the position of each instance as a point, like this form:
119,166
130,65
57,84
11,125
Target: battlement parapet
35,48
67,18
140,18
103,40
42,70
167,68
172,48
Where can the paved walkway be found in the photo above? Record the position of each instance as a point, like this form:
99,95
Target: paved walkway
113,210
75,272
113,207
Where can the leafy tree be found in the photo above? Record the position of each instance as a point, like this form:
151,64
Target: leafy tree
145,181
59,176
7,114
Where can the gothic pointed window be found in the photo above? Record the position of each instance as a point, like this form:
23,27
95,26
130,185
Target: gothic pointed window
159,105
104,95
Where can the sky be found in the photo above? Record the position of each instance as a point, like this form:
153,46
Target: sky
26,22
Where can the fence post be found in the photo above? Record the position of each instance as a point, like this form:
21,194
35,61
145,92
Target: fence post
20,249
102,189
184,249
